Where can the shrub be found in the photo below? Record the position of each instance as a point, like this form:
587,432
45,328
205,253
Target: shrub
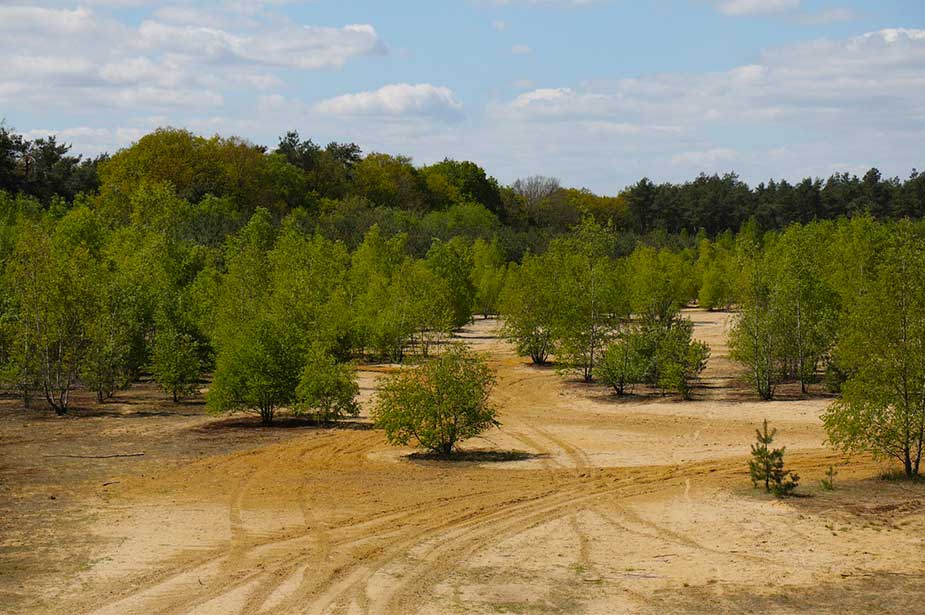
327,389
624,364
439,403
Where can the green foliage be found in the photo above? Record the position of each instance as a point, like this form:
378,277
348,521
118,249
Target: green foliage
528,304
439,403
453,182
175,362
828,483
766,466
624,362
660,282
755,340
716,267
452,262
587,303
882,349
806,305
679,358
327,389
662,354
257,370
52,277
488,270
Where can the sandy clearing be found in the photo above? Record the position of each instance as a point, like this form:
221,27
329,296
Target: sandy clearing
634,505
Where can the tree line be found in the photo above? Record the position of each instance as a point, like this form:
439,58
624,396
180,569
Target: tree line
347,192
273,271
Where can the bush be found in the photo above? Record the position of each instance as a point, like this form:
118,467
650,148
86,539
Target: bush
439,403
624,363
662,354
327,389
680,358
256,371
175,362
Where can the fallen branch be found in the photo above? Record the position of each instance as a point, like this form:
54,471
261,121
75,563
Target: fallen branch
99,456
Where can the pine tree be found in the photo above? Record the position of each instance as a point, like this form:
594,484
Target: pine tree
767,465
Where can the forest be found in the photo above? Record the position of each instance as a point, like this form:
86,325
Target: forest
268,273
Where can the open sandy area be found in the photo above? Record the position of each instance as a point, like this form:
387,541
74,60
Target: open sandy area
581,502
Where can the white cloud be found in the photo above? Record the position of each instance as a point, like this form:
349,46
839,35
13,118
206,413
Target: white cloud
520,50
863,98
873,78
756,7
499,25
400,99
566,2
707,157
827,16
178,58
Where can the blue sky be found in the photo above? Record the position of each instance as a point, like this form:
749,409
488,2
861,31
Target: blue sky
595,92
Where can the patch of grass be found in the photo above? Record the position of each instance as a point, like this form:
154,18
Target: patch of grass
897,475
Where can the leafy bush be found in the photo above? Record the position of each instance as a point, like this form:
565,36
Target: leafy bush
662,354
327,389
439,403
624,363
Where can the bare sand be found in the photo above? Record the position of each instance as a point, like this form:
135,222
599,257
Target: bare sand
581,502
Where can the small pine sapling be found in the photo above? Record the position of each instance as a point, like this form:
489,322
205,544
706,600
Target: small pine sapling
767,465
828,483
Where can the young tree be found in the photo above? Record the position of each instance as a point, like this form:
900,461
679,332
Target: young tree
257,370
679,357
528,304
624,362
807,307
52,279
327,389
755,338
882,348
767,465
588,304
487,275
660,283
662,354
438,404
113,333
452,262
175,361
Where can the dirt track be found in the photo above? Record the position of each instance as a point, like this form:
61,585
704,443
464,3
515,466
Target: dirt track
580,503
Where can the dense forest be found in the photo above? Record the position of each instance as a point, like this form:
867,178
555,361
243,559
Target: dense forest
272,270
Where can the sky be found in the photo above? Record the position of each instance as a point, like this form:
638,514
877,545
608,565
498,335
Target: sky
597,93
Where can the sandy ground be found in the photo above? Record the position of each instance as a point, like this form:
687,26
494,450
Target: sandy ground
581,502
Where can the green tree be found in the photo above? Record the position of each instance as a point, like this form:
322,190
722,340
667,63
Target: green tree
487,275
528,304
679,357
452,262
327,389
807,307
438,404
882,347
52,276
754,339
766,466
175,361
257,370
660,282
588,302
624,363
